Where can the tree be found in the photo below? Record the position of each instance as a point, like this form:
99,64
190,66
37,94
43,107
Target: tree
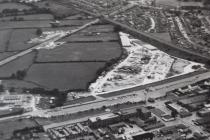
20,74
39,31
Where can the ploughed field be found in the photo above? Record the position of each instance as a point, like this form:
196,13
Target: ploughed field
70,66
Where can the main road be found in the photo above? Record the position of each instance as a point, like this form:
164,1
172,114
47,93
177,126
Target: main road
159,89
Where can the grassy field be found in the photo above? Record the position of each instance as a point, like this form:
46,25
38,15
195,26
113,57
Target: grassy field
4,38
58,10
99,28
6,54
164,36
19,38
19,64
39,23
13,6
99,51
24,24
173,3
31,17
64,76
86,38
18,84
8,126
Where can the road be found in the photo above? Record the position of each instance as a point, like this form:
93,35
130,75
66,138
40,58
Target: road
135,96
47,42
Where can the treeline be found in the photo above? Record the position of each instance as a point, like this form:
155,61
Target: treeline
109,65
18,12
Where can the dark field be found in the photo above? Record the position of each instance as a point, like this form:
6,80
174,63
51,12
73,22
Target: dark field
95,37
99,51
19,38
19,64
64,76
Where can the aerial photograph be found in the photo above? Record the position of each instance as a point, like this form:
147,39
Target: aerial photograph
104,69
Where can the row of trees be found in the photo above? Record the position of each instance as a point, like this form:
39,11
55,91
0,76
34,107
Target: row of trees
20,75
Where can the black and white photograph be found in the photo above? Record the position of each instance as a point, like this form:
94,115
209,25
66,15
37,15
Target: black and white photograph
104,69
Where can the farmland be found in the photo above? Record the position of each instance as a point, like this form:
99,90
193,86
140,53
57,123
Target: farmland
4,38
98,51
19,38
19,64
29,17
74,65
39,23
12,125
173,3
58,10
64,76
18,84
98,37
5,55
70,66
12,6
99,28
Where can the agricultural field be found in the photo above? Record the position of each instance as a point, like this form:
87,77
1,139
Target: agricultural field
6,54
39,23
99,28
64,76
89,37
18,84
4,38
99,51
57,9
19,39
13,6
173,3
22,63
29,17
94,46
25,24
14,124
